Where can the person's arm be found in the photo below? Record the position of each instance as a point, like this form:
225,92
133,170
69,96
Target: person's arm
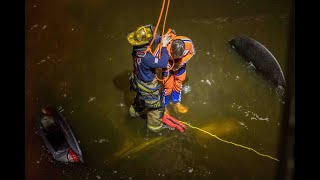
154,62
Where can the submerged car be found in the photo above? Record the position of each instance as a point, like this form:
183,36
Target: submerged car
58,136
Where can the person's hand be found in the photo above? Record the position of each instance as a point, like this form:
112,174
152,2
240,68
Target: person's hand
166,40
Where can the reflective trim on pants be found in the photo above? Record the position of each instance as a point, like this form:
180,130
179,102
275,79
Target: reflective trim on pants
154,121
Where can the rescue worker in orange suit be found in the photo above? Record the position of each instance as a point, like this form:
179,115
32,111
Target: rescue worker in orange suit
181,50
143,79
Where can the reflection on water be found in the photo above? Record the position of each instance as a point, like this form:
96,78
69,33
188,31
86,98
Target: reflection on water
78,59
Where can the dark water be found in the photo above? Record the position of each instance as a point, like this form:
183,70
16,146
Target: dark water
78,59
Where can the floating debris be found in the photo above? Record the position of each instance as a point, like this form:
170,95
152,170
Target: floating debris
92,99
254,116
186,89
103,140
42,61
98,177
44,27
251,65
242,124
122,105
207,81
190,170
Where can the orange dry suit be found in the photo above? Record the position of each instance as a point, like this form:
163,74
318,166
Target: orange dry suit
177,75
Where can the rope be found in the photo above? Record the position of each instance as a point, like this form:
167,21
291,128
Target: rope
239,145
160,44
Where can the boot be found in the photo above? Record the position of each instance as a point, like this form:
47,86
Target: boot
180,108
164,126
133,113
166,111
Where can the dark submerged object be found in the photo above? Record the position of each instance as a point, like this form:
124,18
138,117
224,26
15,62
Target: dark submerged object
58,136
262,59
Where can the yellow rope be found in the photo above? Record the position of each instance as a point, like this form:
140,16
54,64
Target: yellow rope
228,141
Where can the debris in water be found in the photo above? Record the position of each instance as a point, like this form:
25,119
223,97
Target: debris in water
44,27
186,89
115,171
208,82
190,170
103,140
242,124
121,105
237,77
92,99
98,177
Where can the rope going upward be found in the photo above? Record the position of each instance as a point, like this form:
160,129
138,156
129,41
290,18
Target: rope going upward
155,33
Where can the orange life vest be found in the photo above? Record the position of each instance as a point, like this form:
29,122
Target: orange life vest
189,50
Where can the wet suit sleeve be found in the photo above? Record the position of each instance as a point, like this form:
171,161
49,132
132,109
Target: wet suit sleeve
154,62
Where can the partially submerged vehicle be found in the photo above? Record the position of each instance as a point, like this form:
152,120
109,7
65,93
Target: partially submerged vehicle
261,58
58,136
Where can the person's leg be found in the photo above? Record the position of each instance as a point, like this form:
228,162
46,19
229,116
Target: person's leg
168,86
179,78
154,119
137,106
